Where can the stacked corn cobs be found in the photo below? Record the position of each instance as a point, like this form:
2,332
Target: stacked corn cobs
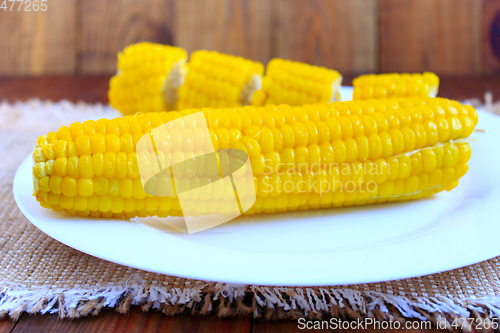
153,77
304,157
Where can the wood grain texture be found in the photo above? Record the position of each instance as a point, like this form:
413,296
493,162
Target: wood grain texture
137,321
334,33
238,27
291,326
357,36
491,36
38,43
442,36
106,27
134,322
93,89
7,325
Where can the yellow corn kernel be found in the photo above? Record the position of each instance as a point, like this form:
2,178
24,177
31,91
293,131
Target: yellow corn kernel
83,146
101,185
80,203
72,168
98,164
53,198
48,151
43,184
39,170
114,187
117,205
97,143
49,167
60,148
51,137
112,143
38,155
76,130
105,203
85,167
85,187
60,166
93,203
66,202
109,163
126,188
69,186
55,184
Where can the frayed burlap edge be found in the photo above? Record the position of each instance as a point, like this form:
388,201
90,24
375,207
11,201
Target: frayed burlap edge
226,300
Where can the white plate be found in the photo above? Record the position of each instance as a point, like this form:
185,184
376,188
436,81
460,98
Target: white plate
321,247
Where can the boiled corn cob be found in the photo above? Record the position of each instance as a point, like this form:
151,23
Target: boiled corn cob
296,83
142,72
315,156
395,85
213,79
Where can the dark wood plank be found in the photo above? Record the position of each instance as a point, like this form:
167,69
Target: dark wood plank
292,326
446,36
338,34
442,36
134,322
7,325
87,89
38,43
465,87
491,36
95,89
238,27
106,27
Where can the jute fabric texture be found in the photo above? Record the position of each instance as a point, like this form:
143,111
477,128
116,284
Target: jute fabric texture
41,275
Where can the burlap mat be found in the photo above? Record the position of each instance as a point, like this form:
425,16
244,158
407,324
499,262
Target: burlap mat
41,275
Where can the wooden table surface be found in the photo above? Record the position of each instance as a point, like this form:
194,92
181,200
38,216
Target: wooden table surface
94,89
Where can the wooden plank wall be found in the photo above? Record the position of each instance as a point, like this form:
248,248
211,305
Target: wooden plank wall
442,36
38,43
82,37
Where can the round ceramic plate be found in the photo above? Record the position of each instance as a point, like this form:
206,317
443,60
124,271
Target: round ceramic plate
319,247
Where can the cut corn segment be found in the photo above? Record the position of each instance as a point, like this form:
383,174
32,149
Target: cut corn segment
315,156
142,72
395,85
214,79
296,83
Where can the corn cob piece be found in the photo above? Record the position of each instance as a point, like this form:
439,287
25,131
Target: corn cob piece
213,79
296,83
315,156
142,72
395,85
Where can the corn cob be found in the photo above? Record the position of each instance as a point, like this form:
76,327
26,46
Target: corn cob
296,83
142,72
315,156
213,79
395,85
